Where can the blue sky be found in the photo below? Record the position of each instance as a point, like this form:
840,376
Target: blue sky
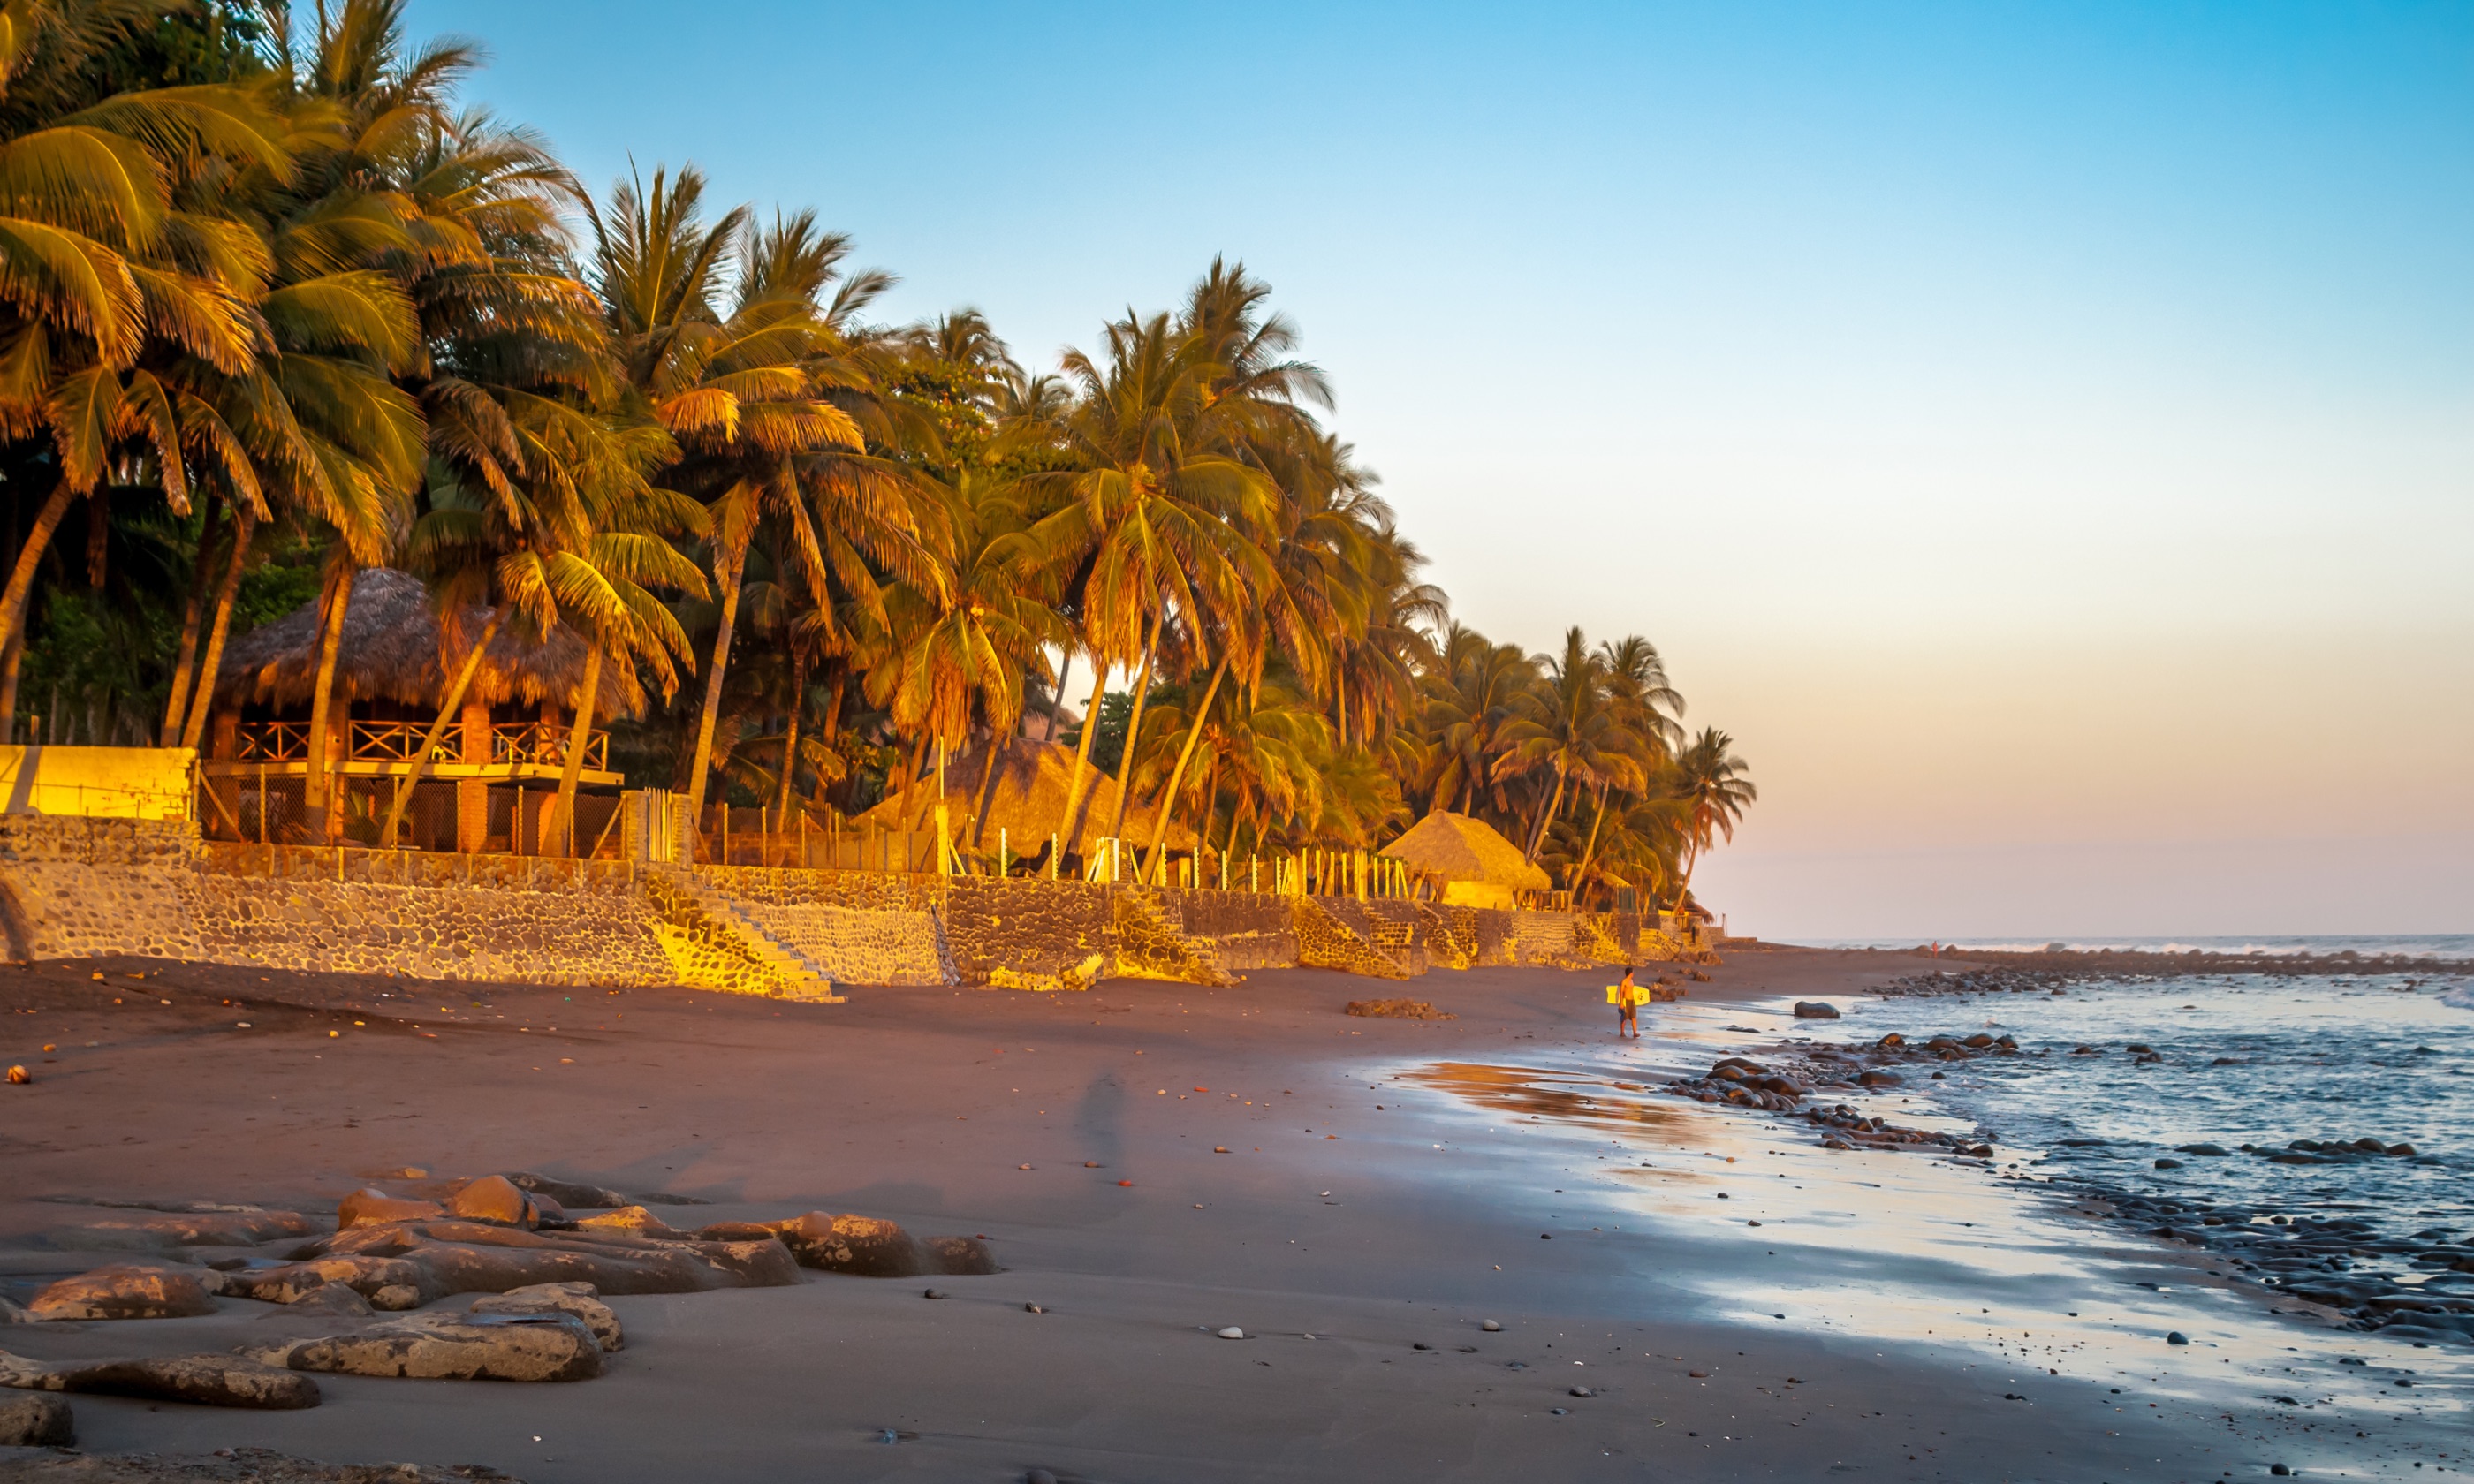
2040,434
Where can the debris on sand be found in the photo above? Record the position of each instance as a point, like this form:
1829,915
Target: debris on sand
1397,1009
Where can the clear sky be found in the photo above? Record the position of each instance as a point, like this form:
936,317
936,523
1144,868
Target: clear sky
2041,434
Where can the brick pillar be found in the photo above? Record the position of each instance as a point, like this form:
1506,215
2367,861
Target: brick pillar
473,795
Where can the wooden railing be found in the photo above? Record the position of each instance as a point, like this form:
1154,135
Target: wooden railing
540,743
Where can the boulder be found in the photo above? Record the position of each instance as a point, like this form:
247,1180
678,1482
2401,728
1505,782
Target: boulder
238,1226
1815,1010
548,1345
566,1192
37,1420
493,1198
206,1380
127,1290
293,1282
334,1299
581,1299
372,1207
629,1218
735,1231
867,1247
1878,1078
471,1257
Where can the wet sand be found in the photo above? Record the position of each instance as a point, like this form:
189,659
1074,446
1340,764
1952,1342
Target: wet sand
1368,1200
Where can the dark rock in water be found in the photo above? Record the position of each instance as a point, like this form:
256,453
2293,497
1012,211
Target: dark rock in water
2139,1048
2169,1165
2176,1337
1878,1078
1815,1010
37,1421
2211,1150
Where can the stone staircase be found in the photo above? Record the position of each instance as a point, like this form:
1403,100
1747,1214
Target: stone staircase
1326,941
714,945
1152,943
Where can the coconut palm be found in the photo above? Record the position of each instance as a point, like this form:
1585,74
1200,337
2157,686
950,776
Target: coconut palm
761,390
1161,520
959,647
1567,728
1710,782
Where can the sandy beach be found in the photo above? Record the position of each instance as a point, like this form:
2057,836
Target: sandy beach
1389,1187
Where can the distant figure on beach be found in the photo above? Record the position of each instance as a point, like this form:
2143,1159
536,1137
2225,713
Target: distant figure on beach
1937,947
1628,996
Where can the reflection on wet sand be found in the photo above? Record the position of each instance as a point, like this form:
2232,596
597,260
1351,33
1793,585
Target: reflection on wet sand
1538,1093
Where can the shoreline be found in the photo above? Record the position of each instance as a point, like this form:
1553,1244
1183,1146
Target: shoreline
902,1104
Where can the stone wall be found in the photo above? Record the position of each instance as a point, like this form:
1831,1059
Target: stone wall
1026,927
76,887
82,887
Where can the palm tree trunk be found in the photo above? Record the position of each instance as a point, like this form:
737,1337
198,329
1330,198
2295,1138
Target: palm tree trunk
1591,850
201,690
791,733
731,562
1176,775
993,762
911,777
331,638
1134,727
1545,816
438,728
578,733
175,707
21,580
11,659
1076,798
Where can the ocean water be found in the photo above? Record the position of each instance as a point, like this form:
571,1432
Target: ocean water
2257,1060
2458,947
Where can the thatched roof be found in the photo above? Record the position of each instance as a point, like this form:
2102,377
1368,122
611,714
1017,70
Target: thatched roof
1032,779
1457,847
391,651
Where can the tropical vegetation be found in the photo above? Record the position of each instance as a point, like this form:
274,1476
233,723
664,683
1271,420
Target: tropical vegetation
276,307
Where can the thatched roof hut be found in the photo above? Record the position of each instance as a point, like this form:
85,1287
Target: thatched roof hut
1479,866
1033,781
393,648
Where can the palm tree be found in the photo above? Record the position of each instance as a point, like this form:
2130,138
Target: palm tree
118,269
1161,520
1472,697
1565,727
763,392
1710,783
959,647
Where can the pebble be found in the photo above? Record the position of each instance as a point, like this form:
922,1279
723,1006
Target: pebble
1583,1391
1232,1332
933,1293
1491,1327
1032,1308
2176,1337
